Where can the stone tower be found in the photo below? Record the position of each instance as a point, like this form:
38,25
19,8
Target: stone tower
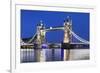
67,37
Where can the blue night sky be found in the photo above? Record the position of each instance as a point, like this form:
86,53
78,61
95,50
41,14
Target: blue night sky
30,18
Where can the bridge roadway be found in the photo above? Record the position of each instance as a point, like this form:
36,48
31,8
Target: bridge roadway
58,46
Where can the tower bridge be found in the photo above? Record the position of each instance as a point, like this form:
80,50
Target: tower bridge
37,41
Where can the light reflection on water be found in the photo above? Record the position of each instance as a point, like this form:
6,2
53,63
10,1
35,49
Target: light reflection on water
27,55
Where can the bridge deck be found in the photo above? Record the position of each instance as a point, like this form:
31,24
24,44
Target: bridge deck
59,46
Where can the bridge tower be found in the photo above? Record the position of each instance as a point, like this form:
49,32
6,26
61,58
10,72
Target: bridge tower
39,53
67,38
43,41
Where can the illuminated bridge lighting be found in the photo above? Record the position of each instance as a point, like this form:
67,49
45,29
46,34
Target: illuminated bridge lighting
39,47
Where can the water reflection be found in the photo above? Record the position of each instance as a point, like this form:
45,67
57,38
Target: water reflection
27,55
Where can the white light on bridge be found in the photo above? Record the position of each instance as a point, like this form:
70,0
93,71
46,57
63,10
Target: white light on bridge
50,27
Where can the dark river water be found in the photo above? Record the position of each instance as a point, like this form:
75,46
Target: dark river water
27,55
